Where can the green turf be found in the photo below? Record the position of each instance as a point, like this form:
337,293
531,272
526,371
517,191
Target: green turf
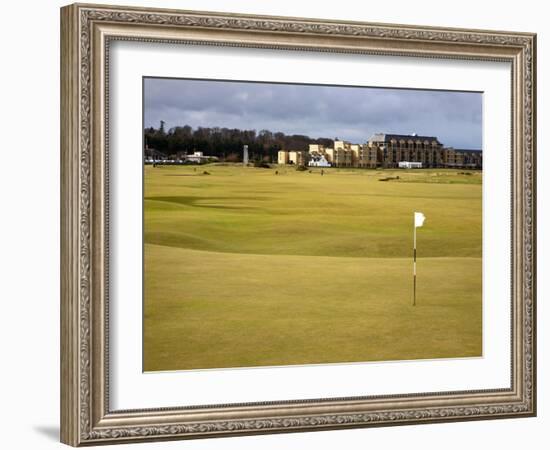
245,268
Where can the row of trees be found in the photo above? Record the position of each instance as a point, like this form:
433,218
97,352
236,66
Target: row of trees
226,143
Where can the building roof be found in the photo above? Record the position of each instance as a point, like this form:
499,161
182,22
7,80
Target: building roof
384,137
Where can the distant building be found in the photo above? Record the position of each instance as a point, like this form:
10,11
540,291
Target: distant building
462,158
367,156
410,165
395,148
342,156
388,151
199,157
345,154
403,147
298,158
318,161
282,157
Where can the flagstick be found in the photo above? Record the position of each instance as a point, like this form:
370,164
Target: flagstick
414,266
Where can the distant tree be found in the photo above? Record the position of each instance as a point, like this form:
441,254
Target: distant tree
216,141
232,157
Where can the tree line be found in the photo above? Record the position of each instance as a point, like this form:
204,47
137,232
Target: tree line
226,143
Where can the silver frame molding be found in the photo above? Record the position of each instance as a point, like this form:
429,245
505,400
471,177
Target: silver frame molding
86,33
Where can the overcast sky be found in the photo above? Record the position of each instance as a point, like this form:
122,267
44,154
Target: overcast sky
349,113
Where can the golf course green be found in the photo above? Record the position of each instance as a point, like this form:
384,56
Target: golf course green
249,266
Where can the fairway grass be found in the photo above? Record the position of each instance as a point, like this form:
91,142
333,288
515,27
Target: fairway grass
247,268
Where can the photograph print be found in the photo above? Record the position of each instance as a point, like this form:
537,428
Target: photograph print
295,224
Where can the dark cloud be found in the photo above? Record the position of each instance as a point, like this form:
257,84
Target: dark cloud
351,113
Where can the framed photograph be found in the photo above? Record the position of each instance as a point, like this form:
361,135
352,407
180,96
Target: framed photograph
276,224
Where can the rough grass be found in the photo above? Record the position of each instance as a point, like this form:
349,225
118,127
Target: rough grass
246,268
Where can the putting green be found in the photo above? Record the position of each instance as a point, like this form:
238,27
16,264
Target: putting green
247,268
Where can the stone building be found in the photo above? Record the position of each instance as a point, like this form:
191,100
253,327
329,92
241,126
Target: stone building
462,158
282,157
297,157
367,156
345,154
395,148
387,151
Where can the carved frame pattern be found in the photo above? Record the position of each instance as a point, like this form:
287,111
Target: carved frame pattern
86,418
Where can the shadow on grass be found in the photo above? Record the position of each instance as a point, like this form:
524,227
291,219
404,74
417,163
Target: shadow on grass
196,201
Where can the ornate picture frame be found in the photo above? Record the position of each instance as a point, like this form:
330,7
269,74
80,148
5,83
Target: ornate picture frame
87,31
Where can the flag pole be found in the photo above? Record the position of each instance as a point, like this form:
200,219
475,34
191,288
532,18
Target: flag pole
418,222
414,263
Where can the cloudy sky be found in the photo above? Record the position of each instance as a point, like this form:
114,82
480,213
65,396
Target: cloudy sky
349,113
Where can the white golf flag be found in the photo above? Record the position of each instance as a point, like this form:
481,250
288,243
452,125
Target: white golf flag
419,219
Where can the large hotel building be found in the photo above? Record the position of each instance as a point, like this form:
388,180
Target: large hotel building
386,151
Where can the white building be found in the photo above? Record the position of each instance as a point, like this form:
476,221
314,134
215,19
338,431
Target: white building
318,160
199,157
410,165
